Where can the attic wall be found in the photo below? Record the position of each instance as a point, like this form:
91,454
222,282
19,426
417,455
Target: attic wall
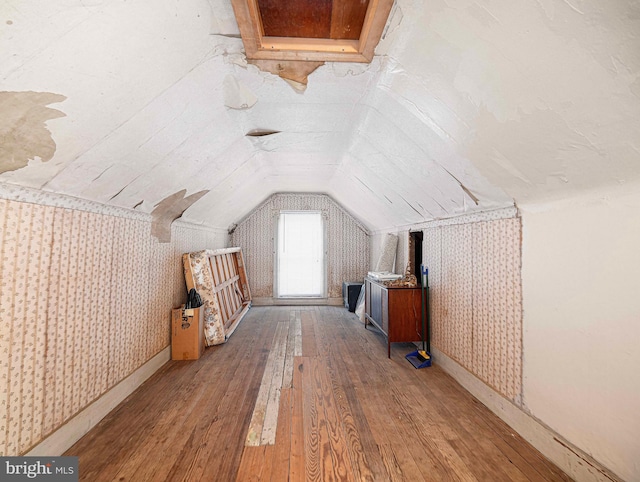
85,300
347,242
580,271
476,307
475,293
543,308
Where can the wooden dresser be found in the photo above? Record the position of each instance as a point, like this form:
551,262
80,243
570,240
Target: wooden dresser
394,311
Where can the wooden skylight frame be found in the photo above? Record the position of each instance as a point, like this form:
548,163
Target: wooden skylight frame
261,47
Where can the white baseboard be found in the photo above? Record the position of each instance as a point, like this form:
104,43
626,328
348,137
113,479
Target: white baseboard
74,429
267,301
573,461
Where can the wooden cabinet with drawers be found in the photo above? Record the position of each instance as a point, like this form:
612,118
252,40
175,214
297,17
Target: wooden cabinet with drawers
394,311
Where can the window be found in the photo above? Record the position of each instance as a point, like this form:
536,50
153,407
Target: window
300,255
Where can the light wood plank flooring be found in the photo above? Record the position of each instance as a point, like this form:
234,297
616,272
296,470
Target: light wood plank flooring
347,412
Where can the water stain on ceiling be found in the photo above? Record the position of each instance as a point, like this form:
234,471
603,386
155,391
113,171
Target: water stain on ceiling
170,209
24,135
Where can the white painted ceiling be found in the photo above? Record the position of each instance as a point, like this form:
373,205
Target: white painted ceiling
468,105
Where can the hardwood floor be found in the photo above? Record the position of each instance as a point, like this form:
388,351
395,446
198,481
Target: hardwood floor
347,412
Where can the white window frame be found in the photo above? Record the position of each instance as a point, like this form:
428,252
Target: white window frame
276,284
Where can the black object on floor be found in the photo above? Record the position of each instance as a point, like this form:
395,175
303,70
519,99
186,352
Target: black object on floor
350,292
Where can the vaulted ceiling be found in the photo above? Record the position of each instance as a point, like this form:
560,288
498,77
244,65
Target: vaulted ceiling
466,106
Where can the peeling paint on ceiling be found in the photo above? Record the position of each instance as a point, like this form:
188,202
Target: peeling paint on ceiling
295,73
467,106
170,209
261,133
24,135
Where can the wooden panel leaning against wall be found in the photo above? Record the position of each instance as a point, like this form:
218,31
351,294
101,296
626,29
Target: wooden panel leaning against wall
85,300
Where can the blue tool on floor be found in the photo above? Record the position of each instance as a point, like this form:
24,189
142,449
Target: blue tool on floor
422,358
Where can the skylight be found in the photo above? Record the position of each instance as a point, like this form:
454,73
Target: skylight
311,30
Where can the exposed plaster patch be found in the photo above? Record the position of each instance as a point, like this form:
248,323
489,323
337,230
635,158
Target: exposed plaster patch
23,131
170,209
236,95
290,70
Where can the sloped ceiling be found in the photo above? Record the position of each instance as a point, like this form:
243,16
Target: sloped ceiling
468,105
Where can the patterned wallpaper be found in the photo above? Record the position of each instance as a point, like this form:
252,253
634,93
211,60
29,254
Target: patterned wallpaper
476,299
474,266
347,242
85,300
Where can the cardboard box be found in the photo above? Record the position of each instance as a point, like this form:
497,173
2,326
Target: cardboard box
187,333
